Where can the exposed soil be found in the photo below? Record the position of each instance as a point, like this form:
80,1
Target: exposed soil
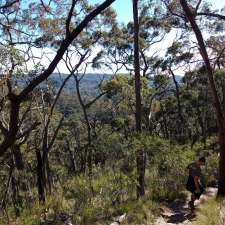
179,213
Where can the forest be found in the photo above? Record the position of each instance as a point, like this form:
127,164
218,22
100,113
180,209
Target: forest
107,139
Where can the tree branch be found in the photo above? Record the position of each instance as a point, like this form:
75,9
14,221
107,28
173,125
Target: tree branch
89,104
216,15
9,4
219,56
70,17
63,47
28,130
198,5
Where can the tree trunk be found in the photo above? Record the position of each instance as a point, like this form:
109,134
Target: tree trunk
180,123
17,155
10,138
15,199
72,167
88,148
216,103
140,154
177,94
40,177
48,177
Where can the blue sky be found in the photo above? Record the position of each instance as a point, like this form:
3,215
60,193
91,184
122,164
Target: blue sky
124,8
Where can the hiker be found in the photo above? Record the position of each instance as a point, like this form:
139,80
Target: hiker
194,182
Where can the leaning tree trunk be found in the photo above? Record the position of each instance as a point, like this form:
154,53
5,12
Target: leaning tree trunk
140,154
216,103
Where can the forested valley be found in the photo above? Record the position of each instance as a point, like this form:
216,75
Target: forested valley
113,135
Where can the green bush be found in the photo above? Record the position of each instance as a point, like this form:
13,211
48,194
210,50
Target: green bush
111,190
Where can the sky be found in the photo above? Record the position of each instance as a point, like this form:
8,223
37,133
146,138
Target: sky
124,12
124,8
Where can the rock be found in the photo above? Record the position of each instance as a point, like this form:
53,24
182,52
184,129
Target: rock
160,221
119,219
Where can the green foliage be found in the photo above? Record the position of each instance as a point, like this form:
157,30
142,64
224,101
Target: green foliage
10,57
142,211
100,197
90,170
166,171
111,189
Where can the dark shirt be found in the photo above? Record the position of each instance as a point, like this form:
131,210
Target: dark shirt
194,170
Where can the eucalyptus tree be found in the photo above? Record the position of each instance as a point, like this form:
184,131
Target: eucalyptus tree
31,25
192,13
27,28
140,152
216,101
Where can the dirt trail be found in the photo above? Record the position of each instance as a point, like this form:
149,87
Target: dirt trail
178,212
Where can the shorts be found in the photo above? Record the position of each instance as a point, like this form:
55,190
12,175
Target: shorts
190,186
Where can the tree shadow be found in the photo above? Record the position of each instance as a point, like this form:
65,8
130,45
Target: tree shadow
180,217
180,212
179,209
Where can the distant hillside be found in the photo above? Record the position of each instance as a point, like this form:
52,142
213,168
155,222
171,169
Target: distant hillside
89,82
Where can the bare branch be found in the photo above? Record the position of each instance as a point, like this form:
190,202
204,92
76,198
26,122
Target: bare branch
70,17
28,130
45,153
216,15
63,47
198,5
9,4
45,7
89,104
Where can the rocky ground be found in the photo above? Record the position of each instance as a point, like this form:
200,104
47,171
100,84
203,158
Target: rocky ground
178,212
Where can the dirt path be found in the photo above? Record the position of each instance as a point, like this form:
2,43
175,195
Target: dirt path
178,212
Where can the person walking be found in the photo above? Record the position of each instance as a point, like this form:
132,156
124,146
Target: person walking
194,182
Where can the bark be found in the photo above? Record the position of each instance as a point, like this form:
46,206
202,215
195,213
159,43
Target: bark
40,177
216,103
10,138
17,155
215,15
48,177
140,154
